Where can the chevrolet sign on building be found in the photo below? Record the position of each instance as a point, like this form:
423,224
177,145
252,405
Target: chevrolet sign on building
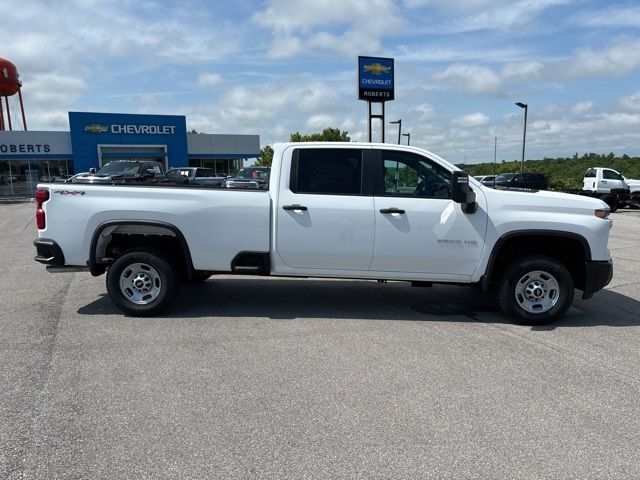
95,139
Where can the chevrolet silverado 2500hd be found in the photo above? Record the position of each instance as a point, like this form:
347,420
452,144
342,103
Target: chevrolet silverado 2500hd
346,210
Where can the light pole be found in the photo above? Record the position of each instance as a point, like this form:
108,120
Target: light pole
408,135
524,135
399,122
495,148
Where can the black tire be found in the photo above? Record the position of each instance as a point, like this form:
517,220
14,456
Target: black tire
612,202
199,276
152,272
535,290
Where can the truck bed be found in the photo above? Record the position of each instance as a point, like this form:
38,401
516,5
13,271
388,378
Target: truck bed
217,223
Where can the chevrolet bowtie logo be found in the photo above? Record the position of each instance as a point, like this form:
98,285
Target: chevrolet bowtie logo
96,128
376,69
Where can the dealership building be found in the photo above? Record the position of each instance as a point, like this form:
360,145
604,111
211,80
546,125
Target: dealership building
94,139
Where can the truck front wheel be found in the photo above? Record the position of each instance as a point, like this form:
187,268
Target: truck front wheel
142,283
535,289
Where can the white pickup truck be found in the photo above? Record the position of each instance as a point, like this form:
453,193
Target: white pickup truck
613,188
603,180
345,210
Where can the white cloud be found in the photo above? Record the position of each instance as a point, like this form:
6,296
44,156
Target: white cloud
319,122
437,52
470,78
610,17
209,80
343,26
583,108
505,16
620,58
284,46
522,70
423,112
477,119
630,102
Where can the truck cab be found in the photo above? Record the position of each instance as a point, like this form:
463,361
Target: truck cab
603,180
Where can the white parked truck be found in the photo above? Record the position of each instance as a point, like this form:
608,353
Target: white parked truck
339,210
612,187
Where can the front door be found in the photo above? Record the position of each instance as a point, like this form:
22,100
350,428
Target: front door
323,220
419,229
610,180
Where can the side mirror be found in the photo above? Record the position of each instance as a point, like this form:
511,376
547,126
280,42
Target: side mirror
461,192
92,170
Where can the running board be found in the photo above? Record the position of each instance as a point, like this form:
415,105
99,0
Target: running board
53,269
247,269
251,263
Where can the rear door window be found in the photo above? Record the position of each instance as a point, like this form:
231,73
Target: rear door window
334,171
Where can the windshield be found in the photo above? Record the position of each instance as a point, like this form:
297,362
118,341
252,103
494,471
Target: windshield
126,167
253,174
505,177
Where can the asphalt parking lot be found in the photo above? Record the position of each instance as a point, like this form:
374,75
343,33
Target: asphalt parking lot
279,378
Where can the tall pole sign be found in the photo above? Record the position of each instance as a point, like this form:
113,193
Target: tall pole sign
376,84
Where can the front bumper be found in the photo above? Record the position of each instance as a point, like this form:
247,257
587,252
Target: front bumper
48,252
597,275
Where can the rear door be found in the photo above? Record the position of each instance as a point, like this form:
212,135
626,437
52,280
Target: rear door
324,217
419,229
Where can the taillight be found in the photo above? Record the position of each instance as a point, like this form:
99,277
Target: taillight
41,196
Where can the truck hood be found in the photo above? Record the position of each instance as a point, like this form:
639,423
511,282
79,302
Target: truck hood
634,185
542,200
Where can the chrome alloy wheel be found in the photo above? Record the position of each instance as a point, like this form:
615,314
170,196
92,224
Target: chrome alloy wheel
140,283
537,292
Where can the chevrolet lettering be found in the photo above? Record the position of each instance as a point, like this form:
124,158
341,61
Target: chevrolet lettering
144,129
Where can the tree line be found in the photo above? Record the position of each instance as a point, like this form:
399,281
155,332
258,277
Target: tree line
563,173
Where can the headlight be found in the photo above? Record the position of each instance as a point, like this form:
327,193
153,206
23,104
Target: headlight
602,213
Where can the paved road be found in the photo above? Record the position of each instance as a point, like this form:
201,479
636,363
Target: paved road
276,378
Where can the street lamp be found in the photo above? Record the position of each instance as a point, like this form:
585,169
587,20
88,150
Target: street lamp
399,123
408,135
524,135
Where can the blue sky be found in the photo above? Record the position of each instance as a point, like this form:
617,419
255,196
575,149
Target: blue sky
278,66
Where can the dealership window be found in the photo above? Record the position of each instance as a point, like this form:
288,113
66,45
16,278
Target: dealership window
19,177
327,171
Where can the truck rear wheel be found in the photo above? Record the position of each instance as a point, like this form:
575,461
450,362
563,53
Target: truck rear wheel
142,283
535,289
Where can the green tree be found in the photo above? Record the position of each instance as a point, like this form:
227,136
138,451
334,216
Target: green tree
266,157
327,135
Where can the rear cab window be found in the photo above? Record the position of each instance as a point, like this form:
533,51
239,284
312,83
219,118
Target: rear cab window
328,171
